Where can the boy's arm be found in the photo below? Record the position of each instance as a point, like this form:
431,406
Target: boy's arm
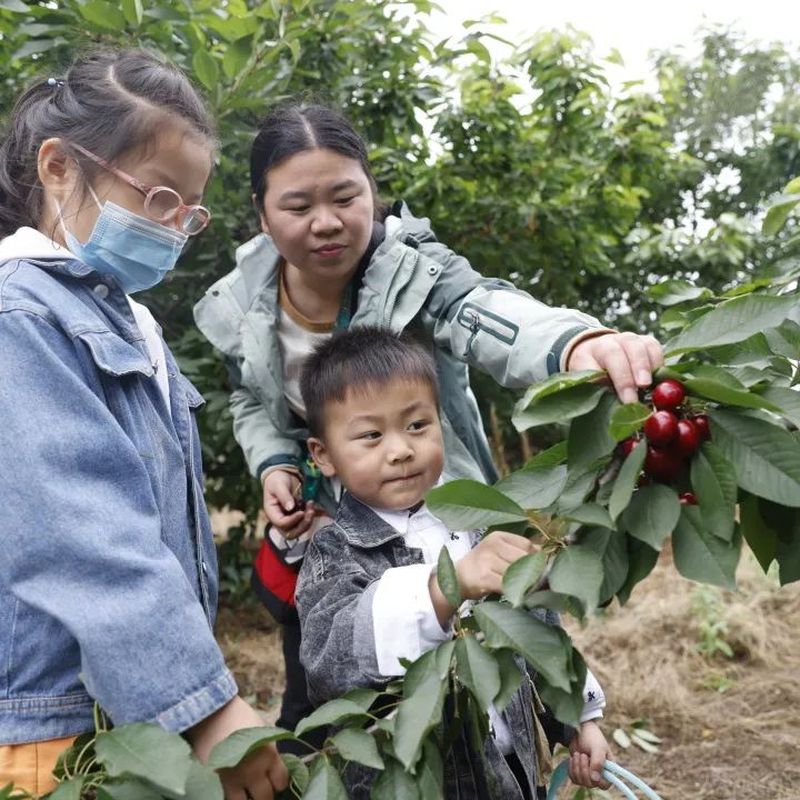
334,602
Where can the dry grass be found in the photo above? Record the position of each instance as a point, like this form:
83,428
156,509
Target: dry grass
736,744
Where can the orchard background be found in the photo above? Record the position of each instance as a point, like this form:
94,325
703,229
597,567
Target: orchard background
644,207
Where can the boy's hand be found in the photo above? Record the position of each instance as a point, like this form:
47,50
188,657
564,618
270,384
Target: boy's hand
481,571
588,752
260,774
284,512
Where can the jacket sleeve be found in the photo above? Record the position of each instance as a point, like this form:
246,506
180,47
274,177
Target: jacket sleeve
263,444
492,325
83,542
218,316
335,608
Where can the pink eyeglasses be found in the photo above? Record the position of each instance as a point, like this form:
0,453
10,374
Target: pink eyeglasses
161,203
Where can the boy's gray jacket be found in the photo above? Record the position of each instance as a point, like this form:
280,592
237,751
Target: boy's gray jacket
411,280
335,590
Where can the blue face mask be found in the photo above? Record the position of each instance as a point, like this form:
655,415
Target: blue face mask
137,251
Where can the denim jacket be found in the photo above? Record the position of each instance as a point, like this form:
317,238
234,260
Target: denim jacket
337,581
411,280
108,583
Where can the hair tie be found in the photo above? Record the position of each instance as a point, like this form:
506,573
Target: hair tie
55,83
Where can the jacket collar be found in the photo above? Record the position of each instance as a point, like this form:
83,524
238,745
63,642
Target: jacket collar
361,526
32,245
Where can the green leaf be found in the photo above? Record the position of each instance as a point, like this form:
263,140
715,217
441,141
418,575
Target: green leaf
465,505
589,514
205,68
333,712
363,698
701,556
477,669
447,578
540,644
523,574
147,751
626,479
787,400
610,546
652,514
534,488
68,790
733,321
103,15
299,774
722,393
358,745
778,213
430,772
580,483
627,420
560,382
561,406
589,438
671,292
236,56
557,454
766,457
578,570
419,712
130,789
761,537
394,783
641,560
202,784
562,603
229,752
510,679
567,706
714,484
325,783
132,11
787,553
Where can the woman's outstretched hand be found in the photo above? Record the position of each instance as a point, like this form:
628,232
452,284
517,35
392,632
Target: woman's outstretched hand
630,360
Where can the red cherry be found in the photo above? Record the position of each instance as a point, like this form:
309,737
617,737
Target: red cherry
703,427
688,499
662,463
627,446
688,439
668,394
661,427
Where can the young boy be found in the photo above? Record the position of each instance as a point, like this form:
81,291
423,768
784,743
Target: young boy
367,594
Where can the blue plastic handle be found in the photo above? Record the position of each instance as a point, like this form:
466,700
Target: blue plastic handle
613,773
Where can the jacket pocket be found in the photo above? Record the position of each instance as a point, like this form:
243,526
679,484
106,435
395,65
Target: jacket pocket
479,320
193,396
114,355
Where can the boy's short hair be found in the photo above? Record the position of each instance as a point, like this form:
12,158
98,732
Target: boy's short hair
358,357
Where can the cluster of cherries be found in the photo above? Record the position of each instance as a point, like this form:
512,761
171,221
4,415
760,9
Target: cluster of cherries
672,436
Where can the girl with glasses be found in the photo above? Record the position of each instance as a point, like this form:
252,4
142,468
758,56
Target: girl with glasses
108,580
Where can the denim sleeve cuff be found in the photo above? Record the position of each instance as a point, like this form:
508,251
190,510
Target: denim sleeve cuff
200,704
407,629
